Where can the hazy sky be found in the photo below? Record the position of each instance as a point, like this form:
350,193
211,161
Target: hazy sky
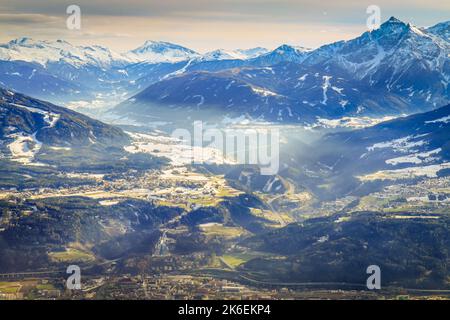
208,24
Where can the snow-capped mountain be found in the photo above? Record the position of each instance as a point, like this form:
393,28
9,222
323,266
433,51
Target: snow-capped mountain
397,57
147,73
395,70
252,52
284,53
159,51
59,71
221,54
79,75
45,52
220,60
82,75
259,56
238,54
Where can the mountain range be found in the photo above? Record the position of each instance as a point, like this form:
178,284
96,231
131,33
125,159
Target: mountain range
61,72
396,69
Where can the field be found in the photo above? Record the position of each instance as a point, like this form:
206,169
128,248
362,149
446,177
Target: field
10,287
219,230
236,259
71,254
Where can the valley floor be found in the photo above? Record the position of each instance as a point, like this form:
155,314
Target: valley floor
213,265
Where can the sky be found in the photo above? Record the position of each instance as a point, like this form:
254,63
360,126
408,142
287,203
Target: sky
205,25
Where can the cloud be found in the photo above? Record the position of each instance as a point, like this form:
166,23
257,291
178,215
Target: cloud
244,11
25,18
351,10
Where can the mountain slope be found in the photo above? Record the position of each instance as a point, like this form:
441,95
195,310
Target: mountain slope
394,70
284,53
359,162
45,52
415,141
205,94
27,124
287,92
59,71
411,253
398,57
53,124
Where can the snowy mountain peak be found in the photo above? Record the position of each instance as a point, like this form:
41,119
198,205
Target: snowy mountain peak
394,20
394,26
291,49
160,47
221,54
44,52
240,54
20,41
393,30
284,53
160,51
252,52
24,42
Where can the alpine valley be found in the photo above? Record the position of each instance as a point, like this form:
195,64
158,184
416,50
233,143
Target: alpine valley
91,174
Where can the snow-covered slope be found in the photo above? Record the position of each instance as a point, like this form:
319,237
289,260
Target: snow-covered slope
252,52
159,51
441,30
405,147
284,53
398,57
26,124
238,54
221,54
60,72
44,52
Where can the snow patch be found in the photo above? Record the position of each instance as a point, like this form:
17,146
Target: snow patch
24,147
404,144
325,86
444,120
416,158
